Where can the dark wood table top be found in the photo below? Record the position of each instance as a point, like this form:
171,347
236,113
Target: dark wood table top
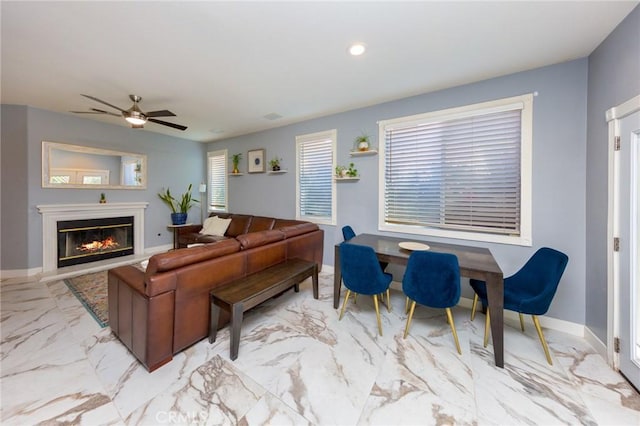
474,261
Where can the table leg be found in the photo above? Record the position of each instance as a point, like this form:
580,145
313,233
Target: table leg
337,277
175,238
236,324
213,323
495,296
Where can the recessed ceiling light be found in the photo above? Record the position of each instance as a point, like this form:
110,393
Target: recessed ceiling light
357,49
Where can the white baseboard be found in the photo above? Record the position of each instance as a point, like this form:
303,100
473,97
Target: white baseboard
597,344
18,273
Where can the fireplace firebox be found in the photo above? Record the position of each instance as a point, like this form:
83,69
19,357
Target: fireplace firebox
89,240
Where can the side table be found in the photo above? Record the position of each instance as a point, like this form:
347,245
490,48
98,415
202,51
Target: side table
176,228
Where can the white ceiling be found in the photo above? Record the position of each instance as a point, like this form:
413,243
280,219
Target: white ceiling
222,66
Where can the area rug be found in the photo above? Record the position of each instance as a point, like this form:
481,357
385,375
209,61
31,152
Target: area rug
91,291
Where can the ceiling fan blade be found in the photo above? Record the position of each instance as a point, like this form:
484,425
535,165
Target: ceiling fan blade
103,102
166,123
161,113
101,111
86,112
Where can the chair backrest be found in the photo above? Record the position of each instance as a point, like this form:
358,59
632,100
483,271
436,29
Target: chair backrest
347,233
360,269
432,279
537,281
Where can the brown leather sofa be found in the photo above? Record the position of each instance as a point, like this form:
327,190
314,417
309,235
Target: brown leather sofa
163,310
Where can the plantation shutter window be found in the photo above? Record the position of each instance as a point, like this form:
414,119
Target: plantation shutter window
315,184
217,170
458,171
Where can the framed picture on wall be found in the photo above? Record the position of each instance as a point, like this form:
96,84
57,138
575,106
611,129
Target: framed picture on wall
255,160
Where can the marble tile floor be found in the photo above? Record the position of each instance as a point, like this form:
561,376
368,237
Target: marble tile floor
298,365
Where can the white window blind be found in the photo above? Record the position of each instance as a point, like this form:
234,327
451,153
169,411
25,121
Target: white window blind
315,184
459,171
217,195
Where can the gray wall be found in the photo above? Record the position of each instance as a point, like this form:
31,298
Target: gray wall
172,162
614,77
559,160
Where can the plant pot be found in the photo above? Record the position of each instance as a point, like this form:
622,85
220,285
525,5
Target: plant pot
363,146
275,168
178,218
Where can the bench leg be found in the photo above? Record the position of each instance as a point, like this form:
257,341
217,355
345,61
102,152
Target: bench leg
296,288
213,324
236,323
314,277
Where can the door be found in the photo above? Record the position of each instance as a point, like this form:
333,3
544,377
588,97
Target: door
629,251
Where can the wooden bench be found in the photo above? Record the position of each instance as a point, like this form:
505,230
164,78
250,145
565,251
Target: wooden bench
243,294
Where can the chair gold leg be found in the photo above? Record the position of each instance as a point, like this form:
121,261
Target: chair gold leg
542,340
406,305
355,298
406,328
388,300
521,321
344,304
487,326
473,307
453,328
375,303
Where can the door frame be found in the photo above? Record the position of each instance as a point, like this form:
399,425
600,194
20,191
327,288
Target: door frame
613,117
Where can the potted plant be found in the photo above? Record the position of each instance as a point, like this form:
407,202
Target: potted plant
341,171
235,159
362,142
178,209
274,163
352,171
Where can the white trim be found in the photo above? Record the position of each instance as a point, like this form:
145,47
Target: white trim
52,213
595,342
20,273
613,115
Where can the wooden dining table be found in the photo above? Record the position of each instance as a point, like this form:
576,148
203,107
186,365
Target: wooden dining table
475,262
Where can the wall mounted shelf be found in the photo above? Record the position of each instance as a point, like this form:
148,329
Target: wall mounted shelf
277,172
235,174
363,153
347,179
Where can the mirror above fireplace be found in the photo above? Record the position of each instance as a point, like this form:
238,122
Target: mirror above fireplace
75,166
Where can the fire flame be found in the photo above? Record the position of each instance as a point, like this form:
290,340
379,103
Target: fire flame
107,243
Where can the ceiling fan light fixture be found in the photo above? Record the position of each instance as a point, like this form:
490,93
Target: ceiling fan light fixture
357,49
135,118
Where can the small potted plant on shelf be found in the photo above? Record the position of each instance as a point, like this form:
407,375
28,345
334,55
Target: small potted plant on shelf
341,171
352,171
274,163
362,142
179,209
235,159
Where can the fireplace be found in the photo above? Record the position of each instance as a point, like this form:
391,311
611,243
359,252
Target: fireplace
54,213
89,240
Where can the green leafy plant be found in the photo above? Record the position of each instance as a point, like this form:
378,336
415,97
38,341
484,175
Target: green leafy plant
340,170
185,203
352,171
275,162
361,142
235,159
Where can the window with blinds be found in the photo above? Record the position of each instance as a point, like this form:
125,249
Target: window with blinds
315,195
217,177
460,173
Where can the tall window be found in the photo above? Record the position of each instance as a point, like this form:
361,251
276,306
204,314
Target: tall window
217,177
459,173
315,186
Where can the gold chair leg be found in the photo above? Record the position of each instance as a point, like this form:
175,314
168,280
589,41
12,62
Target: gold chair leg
375,303
406,305
388,300
473,307
521,321
542,340
344,304
406,329
355,298
487,326
453,328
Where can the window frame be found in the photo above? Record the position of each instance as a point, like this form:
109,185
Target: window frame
526,169
314,137
210,185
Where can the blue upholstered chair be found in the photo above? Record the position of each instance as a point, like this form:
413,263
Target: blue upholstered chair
528,291
432,279
347,232
361,274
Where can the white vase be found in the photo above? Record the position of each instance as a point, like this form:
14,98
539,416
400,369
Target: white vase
363,146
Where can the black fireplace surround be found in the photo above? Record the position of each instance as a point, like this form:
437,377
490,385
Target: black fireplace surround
90,240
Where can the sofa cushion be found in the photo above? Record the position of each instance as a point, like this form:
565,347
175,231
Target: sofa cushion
260,223
177,258
256,239
239,225
215,226
303,228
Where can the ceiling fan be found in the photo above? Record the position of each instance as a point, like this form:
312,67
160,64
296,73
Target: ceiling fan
134,115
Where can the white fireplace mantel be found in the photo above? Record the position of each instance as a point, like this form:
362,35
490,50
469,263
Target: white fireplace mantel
52,213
